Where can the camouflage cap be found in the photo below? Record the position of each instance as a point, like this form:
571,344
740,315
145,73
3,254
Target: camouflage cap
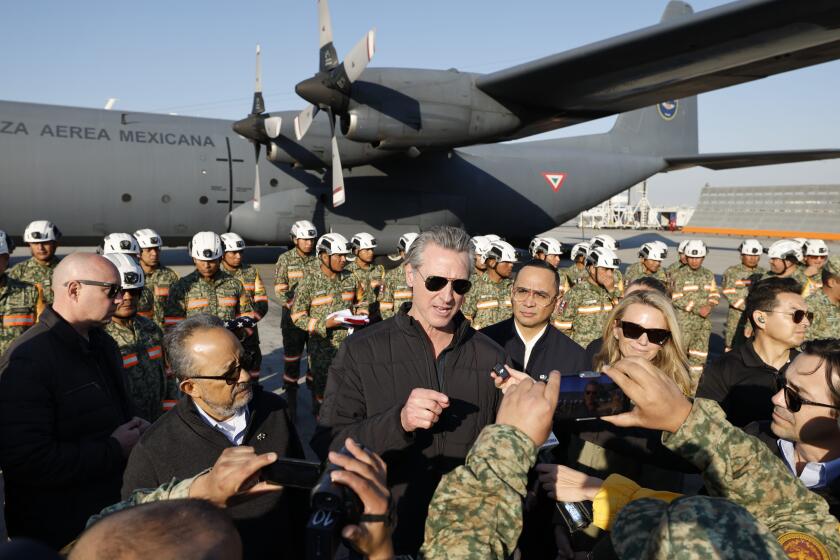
833,264
699,527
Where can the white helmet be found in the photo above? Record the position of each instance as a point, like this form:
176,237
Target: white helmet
41,231
7,246
653,251
603,240
546,245
406,240
750,247
304,229
120,243
481,245
816,248
206,246
363,240
332,244
232,242
148,238
532,246
491,237
681,247
580,249
602,257
785,249
695,248
663,245
502,251
131,275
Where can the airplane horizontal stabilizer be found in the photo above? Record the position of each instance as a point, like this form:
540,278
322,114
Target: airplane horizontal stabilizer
734,160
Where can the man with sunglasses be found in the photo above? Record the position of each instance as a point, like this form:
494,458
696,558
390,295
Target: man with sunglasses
222,407
744,379
530,342
66,421
825,302
416,389
488,301
141,345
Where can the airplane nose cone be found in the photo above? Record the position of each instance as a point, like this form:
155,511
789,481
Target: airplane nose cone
320,94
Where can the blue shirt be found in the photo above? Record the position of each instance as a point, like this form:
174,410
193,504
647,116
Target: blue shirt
814,475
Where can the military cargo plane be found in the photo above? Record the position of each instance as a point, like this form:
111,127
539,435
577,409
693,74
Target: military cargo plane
390,150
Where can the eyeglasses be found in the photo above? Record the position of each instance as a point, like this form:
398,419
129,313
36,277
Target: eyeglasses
634,331
797,315
794,401
231,377
113,289
436,283
540,298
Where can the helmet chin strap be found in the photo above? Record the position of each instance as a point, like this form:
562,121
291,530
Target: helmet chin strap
329,264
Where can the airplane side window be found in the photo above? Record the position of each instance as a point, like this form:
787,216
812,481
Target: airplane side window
126,197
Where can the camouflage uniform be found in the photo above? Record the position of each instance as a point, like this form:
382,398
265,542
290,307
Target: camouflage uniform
637,270
395,292
797,275
317,297
224,296
814,281
253,284
141,346
173,490
19,303
39,275
573,275
371,279
583,311
737,280
826,322
155,293
743,469
476,511
289,271
488,302
691,290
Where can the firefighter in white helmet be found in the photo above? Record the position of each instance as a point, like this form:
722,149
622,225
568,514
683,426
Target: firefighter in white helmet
583,311
292,267
488,301
785,257
680,262
208,289
141,345
576,272
20,303
42,237
159,278
396,290
695,294
368,274
328,290
547,249
480,244
737,280
120,244
233,247
651,256
816,254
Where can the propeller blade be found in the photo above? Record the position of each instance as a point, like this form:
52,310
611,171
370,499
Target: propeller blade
259,104
304,120
359,56
338,196
327,57
257,194
272,126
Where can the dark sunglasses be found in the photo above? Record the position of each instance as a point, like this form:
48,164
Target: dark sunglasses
231,377
436,283
113,289
794,401
634,331
797,315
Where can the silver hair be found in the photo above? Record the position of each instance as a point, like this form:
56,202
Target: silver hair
445,237
175,340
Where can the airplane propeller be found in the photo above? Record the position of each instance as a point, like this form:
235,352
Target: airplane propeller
329,89
258,128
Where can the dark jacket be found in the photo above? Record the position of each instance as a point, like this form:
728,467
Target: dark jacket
554,350
181,444
370,380
743,384
61,398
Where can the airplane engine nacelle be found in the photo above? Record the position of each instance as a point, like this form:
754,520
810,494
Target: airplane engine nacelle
368,125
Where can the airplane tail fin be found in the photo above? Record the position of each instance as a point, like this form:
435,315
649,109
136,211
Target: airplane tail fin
666,129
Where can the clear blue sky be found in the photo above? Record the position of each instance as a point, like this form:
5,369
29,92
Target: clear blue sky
197,58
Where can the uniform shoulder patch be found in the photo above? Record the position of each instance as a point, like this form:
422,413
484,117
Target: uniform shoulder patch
803,546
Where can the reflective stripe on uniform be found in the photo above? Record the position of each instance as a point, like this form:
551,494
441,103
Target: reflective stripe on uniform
155,353
698,353
249,286
348,296
162,291
312,324
23,320
130,360
562,325
385,305
172,320
295,274
690,288
168,405
298,315
677,295
146,314
730,291
590,309
745,282
291,358
404,294
487,304
323,300
197,303
260,298
690,306
227,301
282,287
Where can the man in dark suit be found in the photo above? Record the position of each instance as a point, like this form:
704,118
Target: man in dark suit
530,342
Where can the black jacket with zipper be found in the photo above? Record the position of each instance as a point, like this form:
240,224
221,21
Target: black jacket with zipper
370,380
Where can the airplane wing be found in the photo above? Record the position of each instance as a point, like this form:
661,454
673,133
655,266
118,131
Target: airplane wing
684,55
748,159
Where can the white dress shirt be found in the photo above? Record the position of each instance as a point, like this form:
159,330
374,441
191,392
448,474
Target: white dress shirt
233,428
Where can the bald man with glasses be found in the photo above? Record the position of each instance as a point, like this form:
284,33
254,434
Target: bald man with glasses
66,421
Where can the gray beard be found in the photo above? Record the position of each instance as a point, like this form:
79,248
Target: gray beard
228,411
